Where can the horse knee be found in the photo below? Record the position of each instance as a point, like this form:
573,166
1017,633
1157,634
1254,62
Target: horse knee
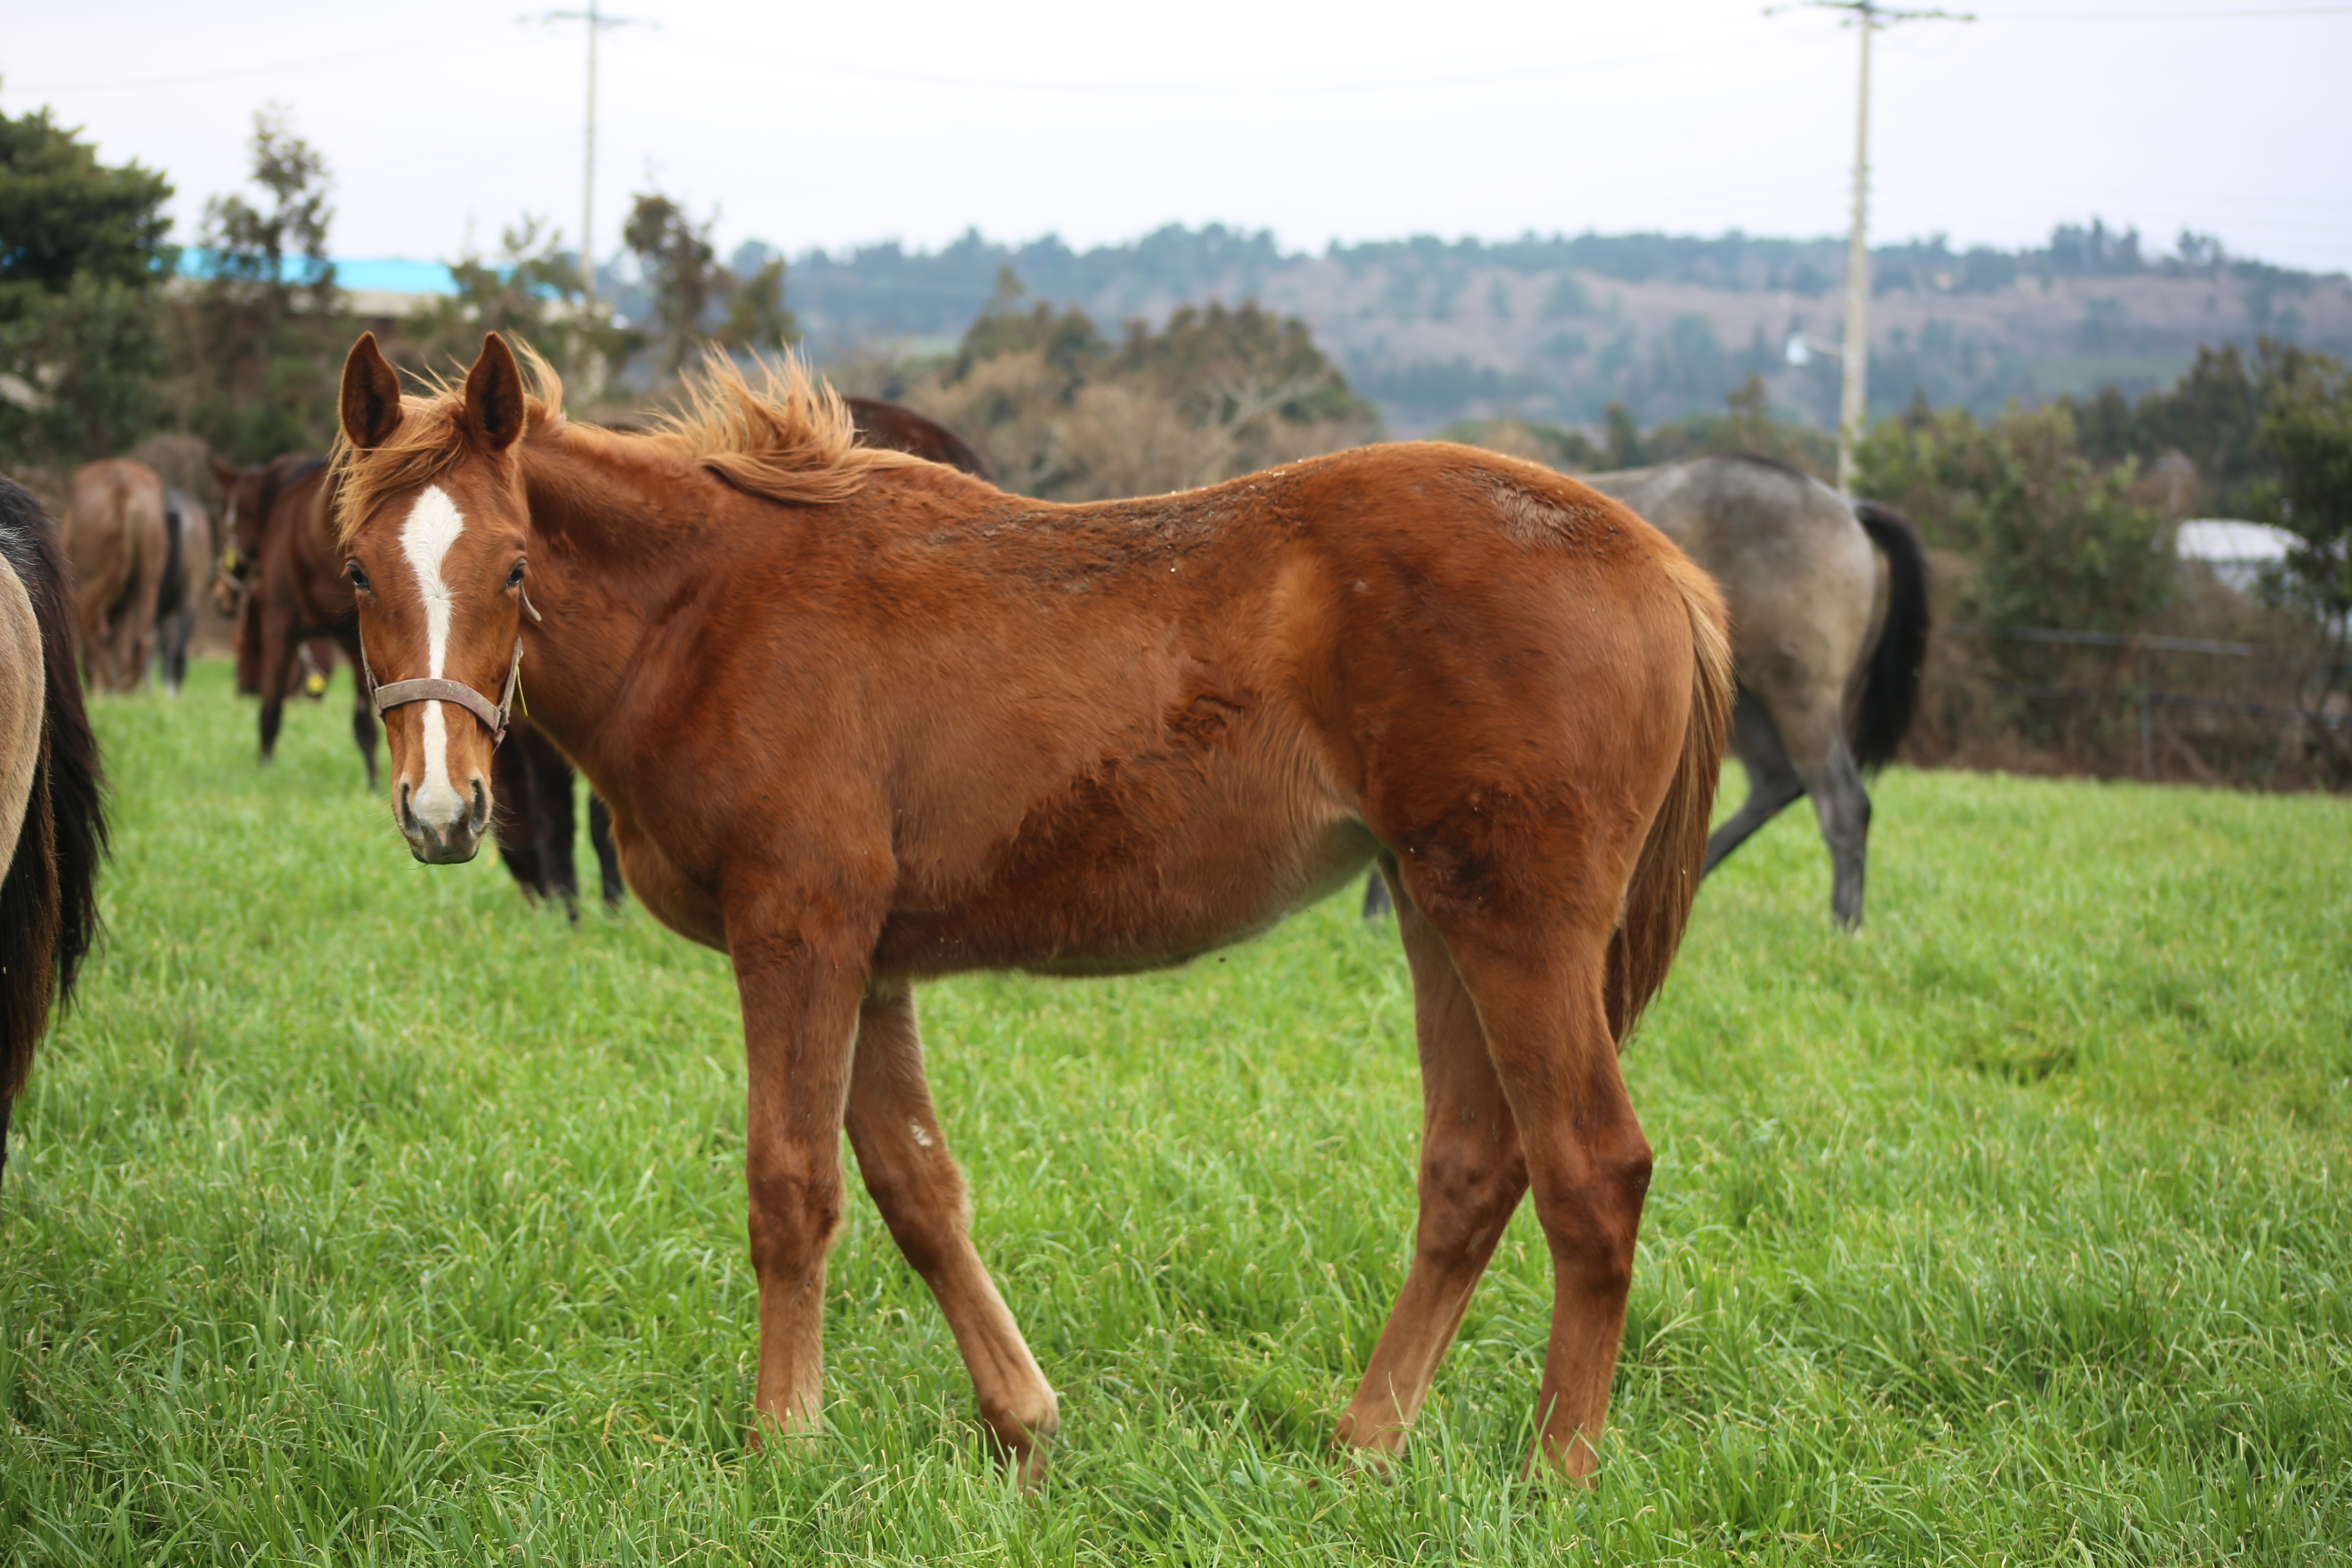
1468,1194
794,1215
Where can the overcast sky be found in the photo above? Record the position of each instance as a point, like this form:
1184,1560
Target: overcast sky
815,126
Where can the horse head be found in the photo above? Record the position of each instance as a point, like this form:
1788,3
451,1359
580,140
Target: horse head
433,523
246,497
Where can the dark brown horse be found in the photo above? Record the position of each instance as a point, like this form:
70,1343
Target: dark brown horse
52,824
532,782
280,558
118,543
901,429
863,720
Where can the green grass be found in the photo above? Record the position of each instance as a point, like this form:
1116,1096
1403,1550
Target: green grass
362,1213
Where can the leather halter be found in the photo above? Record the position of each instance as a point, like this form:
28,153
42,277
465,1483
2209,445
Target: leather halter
400,694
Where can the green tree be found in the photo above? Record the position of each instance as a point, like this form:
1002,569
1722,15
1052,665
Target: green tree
2054,541
2306,430
82,258
264,332
1238,368
1623,436
1745,428
534,292
1068,343
755,318
696,299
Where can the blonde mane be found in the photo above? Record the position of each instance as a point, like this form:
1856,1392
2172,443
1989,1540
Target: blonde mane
788,438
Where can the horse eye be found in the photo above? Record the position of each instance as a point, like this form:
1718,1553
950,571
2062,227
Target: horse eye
357,574
514,578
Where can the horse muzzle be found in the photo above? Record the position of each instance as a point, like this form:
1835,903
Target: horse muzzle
442,827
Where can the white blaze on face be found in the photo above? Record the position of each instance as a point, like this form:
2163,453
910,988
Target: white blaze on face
433,526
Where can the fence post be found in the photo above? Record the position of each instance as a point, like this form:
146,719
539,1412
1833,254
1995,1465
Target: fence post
2146,726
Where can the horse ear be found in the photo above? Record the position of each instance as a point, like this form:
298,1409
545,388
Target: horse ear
494,407
225,472
371,396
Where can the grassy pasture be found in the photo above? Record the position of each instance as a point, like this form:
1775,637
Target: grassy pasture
363,1214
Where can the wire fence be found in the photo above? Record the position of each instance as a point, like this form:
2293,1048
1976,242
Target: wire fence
2202,709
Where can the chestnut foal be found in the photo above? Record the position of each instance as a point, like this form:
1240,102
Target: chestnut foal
863,720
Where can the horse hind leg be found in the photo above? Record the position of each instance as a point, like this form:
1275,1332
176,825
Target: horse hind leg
1842,804
1473,1175
903,1157
1542,1004
1772,782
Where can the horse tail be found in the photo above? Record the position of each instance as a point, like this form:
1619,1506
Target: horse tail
49,904
1890,690
173,592
1665,878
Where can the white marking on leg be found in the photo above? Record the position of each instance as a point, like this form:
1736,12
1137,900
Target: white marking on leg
432,525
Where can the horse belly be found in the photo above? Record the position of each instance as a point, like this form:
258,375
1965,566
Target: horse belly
1163,860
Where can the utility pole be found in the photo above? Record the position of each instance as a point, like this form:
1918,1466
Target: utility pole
1853,388
597,22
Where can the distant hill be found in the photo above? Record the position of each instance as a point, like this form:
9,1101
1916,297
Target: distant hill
1555,329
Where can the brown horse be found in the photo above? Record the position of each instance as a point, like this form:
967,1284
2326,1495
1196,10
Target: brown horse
118,545
863,721
52,824
281,560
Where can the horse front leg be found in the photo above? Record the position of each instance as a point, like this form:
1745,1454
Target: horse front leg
278,650
613,887
800,970
903,1156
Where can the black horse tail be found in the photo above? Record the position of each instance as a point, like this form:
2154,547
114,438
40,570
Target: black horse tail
49,899
1890,689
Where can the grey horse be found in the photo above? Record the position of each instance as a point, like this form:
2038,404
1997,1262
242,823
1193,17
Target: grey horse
1828,665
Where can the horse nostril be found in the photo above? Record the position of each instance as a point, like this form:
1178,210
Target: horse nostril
407,815
481,817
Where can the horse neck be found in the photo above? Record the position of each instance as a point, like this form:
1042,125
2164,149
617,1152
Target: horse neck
604,567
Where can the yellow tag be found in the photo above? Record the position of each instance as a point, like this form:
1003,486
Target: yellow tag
315,684
229,559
